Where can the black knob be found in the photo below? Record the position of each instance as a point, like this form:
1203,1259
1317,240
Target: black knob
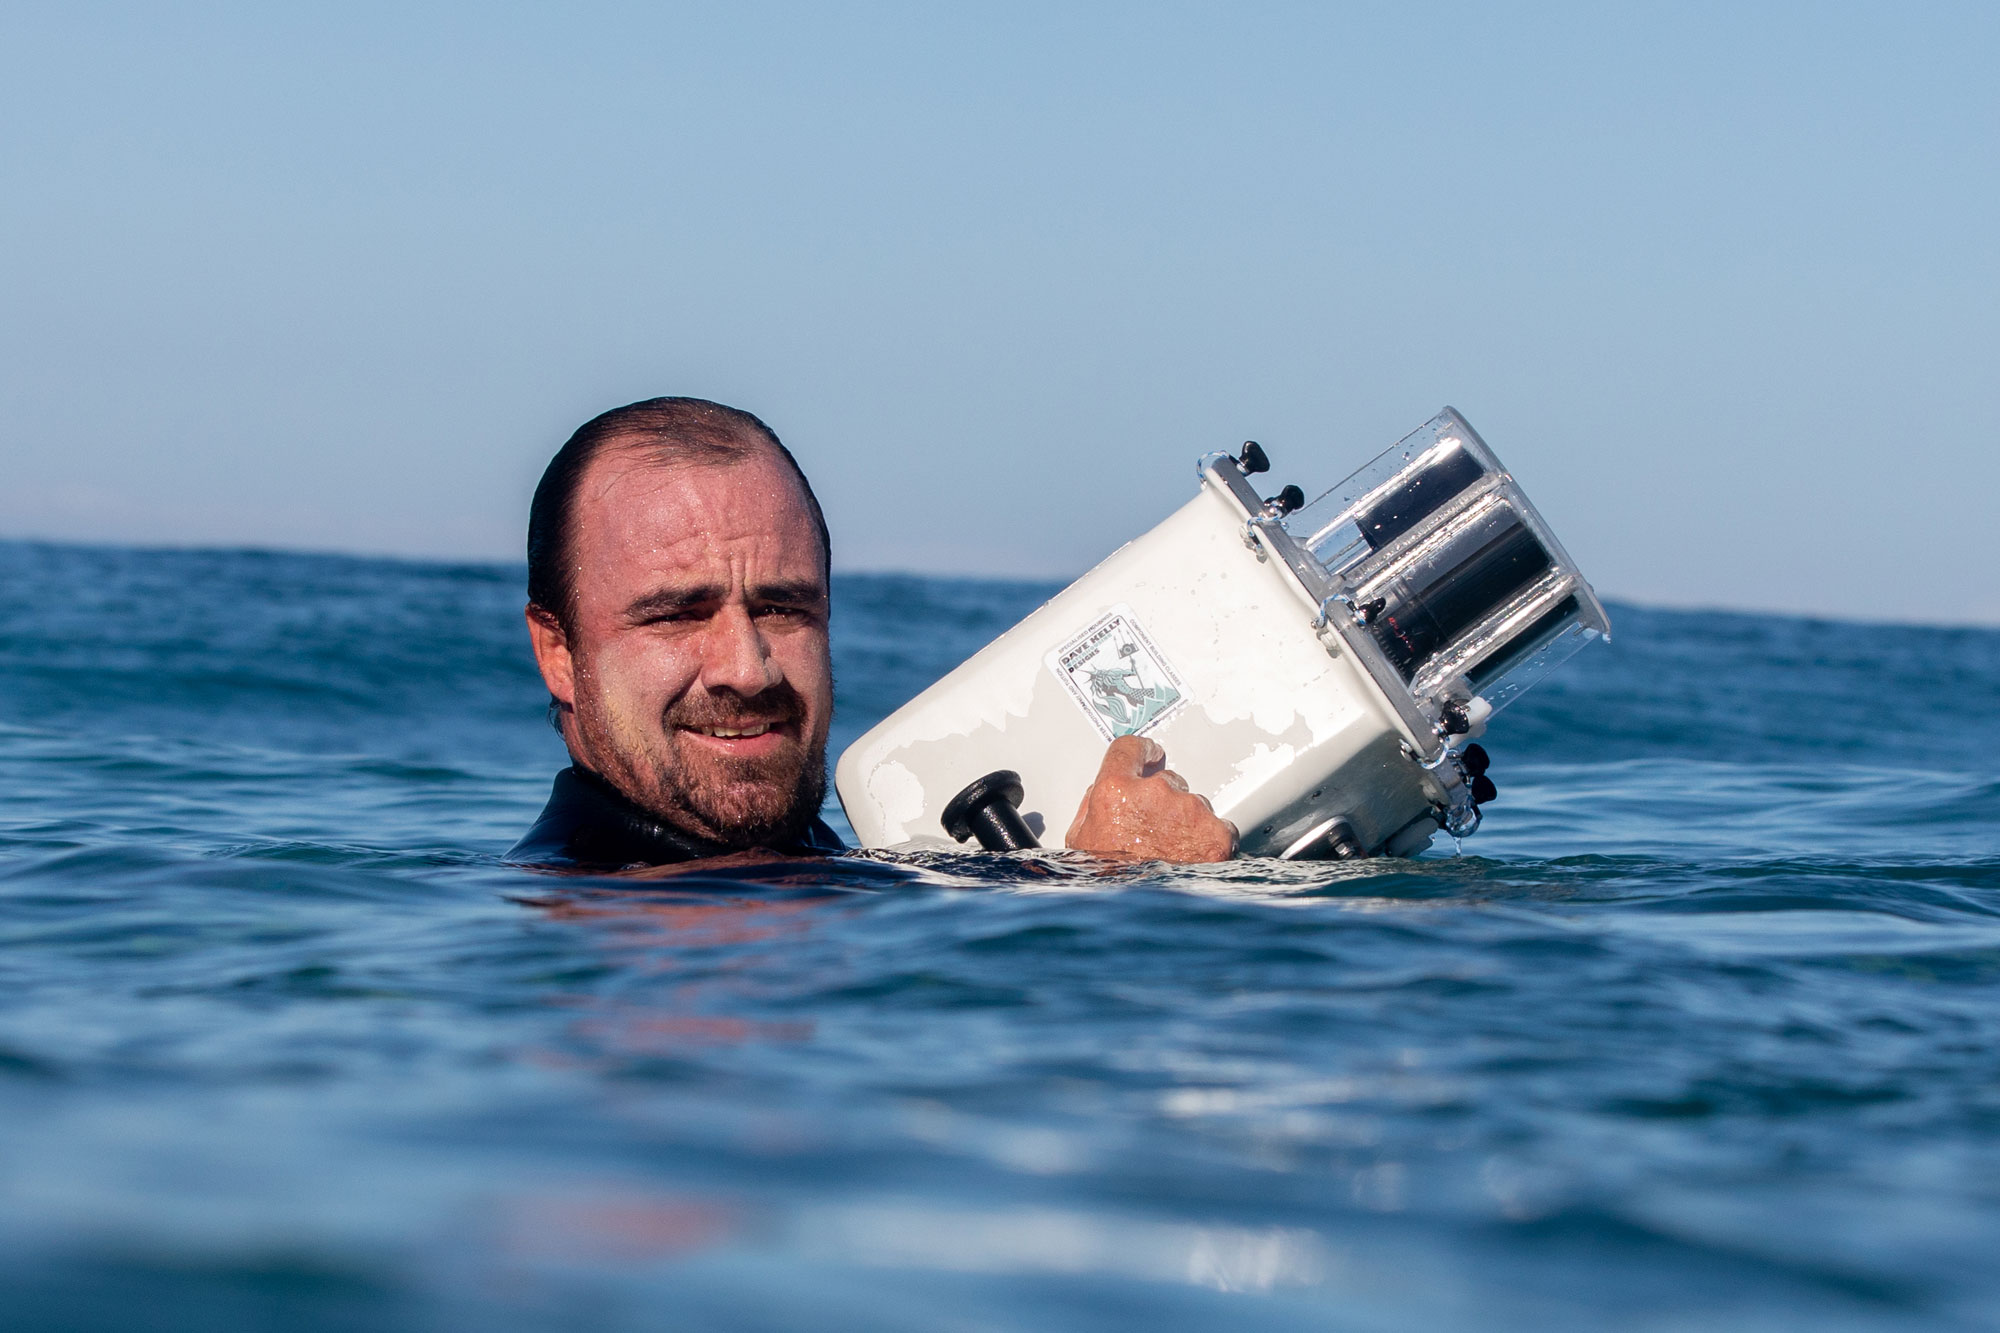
988,810
1251,460
1285,501
1475,761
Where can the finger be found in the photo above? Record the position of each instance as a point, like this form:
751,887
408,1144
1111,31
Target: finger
1130,757
1174,780
1082,813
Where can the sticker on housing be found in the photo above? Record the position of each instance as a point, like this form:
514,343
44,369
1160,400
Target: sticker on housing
1113,670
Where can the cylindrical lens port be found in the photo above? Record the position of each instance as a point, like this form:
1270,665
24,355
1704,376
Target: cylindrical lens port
1418,494
1447,588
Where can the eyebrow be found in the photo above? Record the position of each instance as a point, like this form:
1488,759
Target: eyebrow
670,601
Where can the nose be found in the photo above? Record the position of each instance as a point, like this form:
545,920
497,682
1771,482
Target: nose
735,656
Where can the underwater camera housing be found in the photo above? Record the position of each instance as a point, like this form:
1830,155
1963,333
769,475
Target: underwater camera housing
1316,670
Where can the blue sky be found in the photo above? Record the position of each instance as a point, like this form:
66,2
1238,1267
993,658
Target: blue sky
1718,281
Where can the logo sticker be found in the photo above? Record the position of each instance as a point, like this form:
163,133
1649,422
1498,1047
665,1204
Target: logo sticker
1113,670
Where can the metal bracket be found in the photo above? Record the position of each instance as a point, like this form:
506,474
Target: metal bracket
1454,822
1325,616
1251,528
1460,817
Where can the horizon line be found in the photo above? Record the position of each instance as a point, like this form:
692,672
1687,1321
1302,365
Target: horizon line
497,562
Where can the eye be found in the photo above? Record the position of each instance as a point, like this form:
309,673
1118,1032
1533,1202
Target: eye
784,613
677,616
800,615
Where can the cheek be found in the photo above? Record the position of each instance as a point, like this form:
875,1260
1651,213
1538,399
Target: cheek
636,677
806,665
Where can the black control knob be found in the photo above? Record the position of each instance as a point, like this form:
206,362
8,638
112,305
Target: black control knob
1251,460
1476,761
1285,502
989,810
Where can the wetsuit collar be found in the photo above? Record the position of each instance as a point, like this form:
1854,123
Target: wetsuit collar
588,823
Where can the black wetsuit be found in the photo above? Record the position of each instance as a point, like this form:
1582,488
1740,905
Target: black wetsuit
589,825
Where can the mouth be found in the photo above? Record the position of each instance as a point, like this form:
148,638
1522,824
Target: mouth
740,740
735,733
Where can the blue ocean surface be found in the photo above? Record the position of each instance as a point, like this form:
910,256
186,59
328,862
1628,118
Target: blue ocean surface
1701,1030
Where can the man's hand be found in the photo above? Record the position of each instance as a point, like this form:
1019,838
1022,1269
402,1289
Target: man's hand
1140,808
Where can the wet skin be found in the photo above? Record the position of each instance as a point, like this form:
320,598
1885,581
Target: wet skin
1139,809
695,675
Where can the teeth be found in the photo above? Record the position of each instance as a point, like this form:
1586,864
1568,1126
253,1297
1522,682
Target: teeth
732,733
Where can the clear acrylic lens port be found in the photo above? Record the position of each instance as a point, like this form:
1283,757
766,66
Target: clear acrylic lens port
1447,564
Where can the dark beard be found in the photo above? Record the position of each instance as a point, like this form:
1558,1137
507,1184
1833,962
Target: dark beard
725,819
731,804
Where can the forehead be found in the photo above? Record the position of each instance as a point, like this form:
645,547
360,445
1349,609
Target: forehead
636,515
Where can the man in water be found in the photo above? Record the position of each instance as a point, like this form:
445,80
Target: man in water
678,571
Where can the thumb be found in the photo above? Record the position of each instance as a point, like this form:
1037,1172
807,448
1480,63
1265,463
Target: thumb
1130,757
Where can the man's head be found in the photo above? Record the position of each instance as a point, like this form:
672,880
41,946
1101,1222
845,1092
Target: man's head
677,584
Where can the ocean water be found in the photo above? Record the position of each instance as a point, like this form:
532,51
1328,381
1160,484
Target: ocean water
1701,1030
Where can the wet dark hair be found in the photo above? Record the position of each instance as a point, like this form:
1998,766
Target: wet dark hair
666,430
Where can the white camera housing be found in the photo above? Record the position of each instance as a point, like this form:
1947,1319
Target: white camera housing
1313,669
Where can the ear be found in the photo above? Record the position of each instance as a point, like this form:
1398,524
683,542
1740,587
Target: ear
552,654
